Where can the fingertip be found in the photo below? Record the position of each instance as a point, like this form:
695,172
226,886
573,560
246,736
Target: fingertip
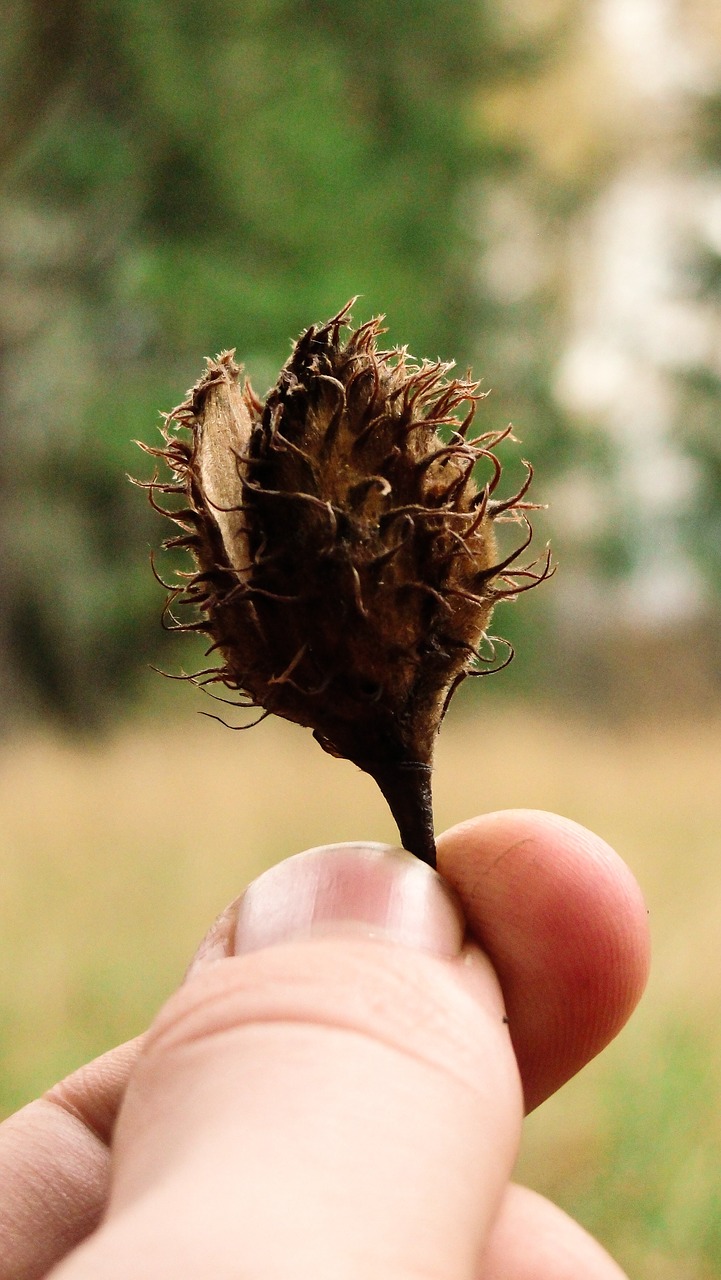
562,1249
564,922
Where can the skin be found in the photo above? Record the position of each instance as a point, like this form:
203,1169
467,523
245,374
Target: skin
302,1095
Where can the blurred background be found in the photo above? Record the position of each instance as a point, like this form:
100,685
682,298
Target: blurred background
530,187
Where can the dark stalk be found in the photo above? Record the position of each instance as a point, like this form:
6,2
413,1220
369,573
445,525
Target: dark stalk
407,790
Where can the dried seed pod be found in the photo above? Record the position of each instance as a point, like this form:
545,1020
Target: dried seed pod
346,555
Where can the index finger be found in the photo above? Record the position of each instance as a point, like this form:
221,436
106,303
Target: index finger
564,923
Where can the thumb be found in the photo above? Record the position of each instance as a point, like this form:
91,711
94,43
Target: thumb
332,1092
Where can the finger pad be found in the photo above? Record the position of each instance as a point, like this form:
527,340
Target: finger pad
564,923
534,1240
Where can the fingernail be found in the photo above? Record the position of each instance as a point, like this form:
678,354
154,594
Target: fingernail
374,890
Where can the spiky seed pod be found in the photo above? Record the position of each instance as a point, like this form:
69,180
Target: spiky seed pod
346,555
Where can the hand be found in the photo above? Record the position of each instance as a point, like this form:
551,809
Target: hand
337,1088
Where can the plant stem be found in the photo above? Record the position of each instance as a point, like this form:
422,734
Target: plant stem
407,789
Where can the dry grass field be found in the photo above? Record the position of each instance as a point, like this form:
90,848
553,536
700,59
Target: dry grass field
114,856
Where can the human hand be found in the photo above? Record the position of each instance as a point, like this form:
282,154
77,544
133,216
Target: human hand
343,1096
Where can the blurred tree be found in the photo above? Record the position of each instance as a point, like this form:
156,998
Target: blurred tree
700,398
183,178
614,217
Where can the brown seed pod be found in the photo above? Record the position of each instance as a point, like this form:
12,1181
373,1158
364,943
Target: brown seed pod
346,561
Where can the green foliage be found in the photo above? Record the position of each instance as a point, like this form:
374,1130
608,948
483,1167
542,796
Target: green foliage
193,177
661,1155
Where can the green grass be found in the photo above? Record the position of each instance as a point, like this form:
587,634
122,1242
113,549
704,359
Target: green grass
115,856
